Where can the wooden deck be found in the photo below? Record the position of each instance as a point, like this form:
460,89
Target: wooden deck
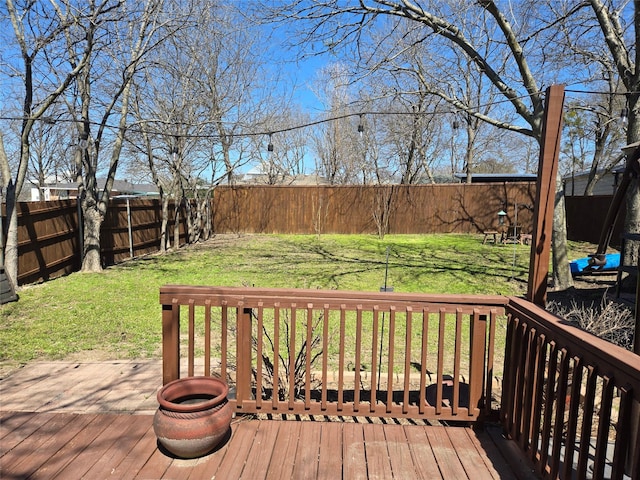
71,445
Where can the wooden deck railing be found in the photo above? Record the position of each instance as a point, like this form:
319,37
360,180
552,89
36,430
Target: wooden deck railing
321,352
570,400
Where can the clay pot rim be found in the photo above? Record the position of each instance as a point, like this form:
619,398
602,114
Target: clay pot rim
186,386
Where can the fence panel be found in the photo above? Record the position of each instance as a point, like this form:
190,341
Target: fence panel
401,209
49,237
48,240
586,216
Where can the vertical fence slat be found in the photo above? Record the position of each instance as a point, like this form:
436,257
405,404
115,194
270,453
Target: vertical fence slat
407,360
207,337
561,399
456,364
603,427
508,384
530,366
292,356
587,421
390,363
519,385
308,353
374,359
259,354
548,406
488,392
325,356
623,428
275,394
191,335
356,373
341,365
536,418
423,361
574,409
224,340
440,367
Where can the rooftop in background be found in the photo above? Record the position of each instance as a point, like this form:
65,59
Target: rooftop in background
497,177
63,191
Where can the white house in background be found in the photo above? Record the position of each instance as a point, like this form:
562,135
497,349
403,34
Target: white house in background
64,191
575,184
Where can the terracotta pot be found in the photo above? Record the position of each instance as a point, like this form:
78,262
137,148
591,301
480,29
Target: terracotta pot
193,417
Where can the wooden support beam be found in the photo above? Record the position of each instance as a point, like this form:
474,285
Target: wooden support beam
545,196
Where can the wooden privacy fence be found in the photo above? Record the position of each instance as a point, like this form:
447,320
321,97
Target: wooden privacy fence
49,233
395,209
321,352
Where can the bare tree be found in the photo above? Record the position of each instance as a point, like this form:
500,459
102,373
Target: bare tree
38,30
510,62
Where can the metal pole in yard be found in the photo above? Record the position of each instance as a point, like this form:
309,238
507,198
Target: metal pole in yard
383,289
129,229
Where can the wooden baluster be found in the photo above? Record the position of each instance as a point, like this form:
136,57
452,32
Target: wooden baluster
308,352
456,363
259,354
374,359
392,336
356,373
292,357
407,361
275,394
423,360
191,336
207,337
325,356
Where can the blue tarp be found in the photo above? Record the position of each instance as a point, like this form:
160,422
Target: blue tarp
580,265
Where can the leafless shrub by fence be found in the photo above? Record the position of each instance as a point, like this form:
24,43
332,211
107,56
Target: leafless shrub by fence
610,320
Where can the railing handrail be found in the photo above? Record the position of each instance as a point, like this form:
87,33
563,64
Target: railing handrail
200,295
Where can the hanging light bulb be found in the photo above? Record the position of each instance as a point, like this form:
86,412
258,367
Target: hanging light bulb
624,116
270,145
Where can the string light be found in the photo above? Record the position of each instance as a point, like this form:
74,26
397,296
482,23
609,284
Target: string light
624,116
136,126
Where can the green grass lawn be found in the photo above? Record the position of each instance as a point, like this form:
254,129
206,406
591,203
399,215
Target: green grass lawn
116,314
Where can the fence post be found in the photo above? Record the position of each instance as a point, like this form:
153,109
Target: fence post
243,355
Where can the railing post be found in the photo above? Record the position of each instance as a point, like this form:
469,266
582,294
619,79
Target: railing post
243,355
170,342
476,369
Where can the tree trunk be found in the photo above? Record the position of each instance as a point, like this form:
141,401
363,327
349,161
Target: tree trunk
176,225
92,222
165,242
632,222
11,239
562,278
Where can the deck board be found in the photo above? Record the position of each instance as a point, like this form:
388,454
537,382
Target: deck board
71,445
354,458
